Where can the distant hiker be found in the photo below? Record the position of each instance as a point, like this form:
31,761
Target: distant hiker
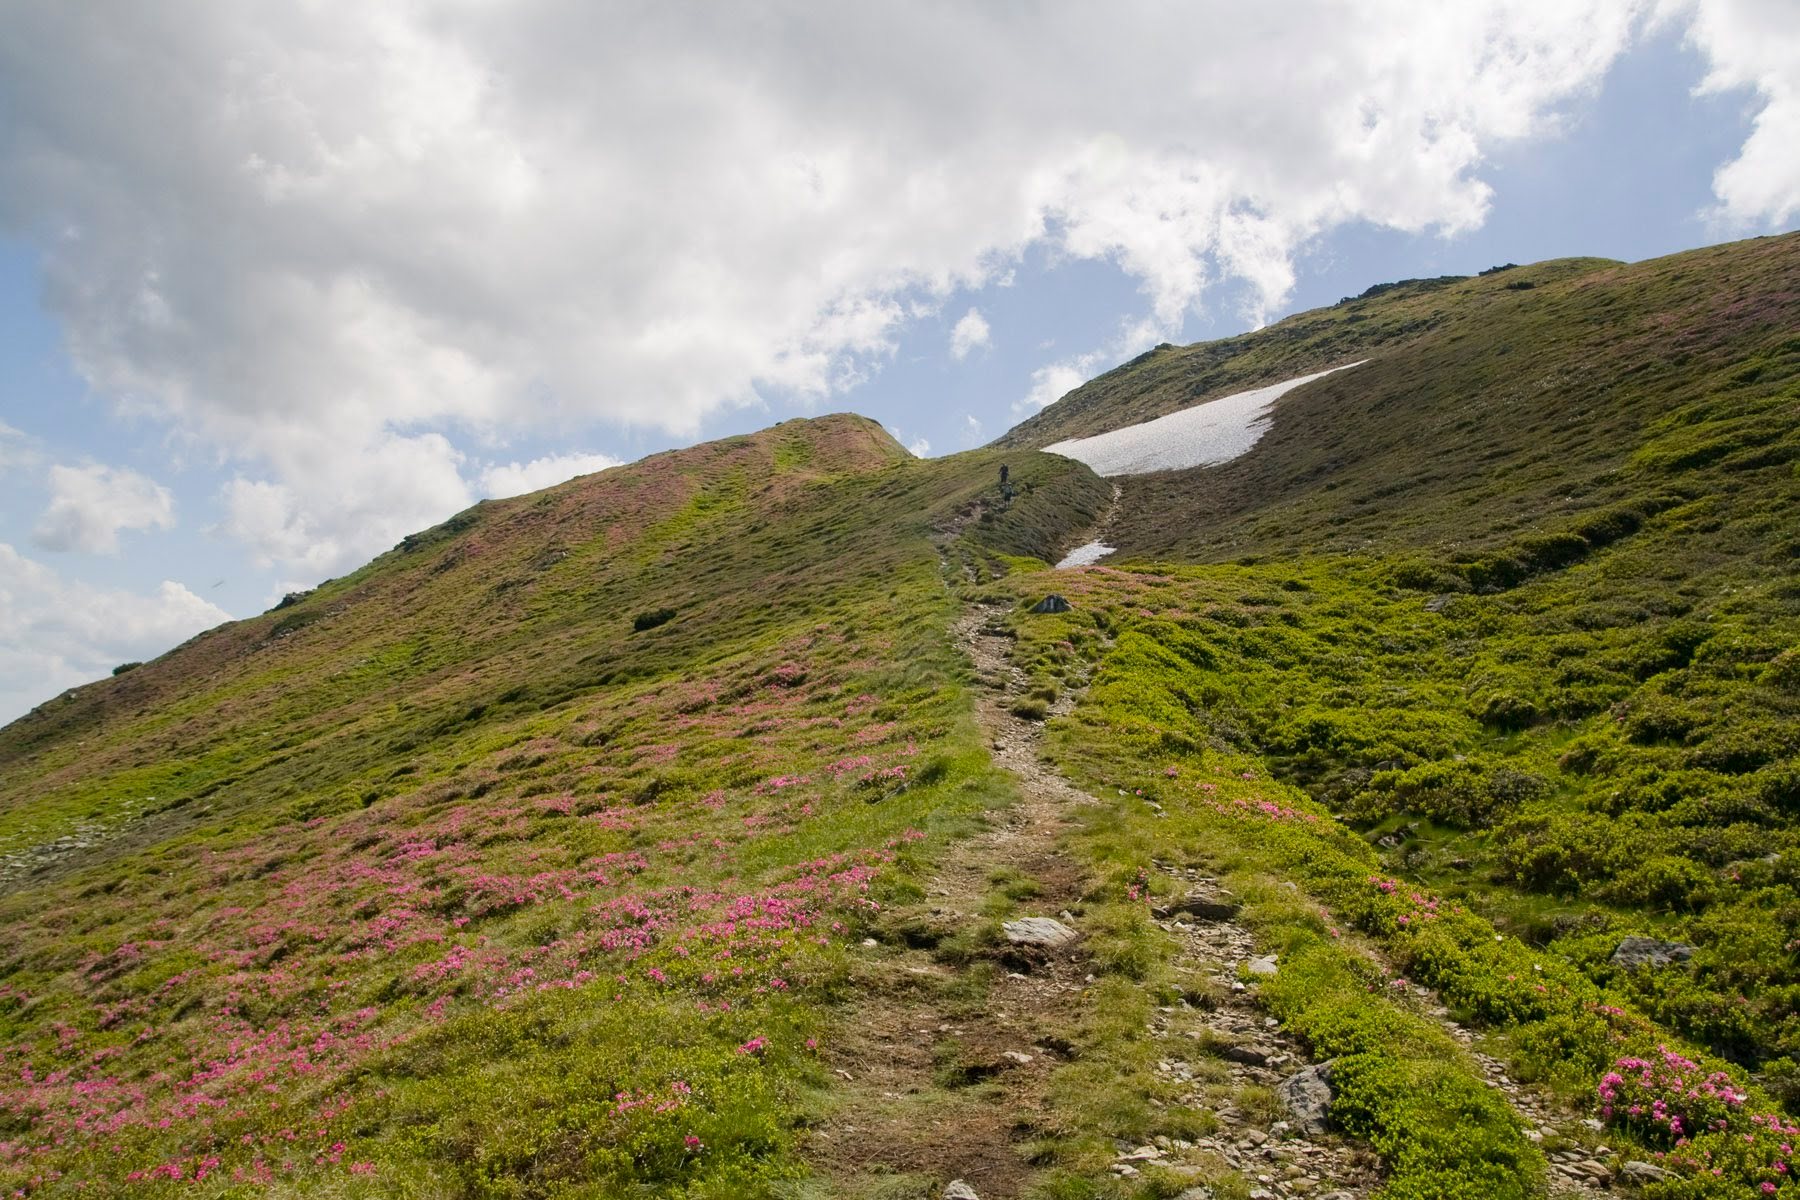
1002,474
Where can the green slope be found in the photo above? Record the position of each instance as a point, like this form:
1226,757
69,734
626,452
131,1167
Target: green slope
528,860
1489,407
1518,600
380,893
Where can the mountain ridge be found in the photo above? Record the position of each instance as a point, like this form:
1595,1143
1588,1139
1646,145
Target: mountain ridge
666,832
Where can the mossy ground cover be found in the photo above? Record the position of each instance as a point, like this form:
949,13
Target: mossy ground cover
1280,723
450,879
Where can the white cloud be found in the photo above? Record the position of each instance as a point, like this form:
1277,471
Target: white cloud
970,332
918,447
515,479
350,236
1754,44
17,448
90,505
55,633
337,504
1051,383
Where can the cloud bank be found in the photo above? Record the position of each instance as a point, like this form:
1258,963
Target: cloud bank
337,246
55,634
89,505
516,479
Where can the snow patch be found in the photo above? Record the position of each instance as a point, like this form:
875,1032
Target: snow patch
1202,436
1085,556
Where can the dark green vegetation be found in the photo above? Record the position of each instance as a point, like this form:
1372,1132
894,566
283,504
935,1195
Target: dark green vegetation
1518,601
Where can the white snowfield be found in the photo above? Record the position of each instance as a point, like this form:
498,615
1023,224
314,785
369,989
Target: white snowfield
1202,436
1085,556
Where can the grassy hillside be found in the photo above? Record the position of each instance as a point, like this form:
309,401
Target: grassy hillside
381,892
536,858
1519,602
1489,407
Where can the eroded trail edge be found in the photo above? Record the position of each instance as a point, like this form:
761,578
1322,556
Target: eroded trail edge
955,1032
947,1066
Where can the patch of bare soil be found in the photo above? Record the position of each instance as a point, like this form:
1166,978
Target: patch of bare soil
944,1063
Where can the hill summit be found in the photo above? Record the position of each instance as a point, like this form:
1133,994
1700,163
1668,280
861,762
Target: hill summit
1403,803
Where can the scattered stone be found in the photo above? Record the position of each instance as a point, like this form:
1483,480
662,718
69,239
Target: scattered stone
1636,952
1200,904
1641,1173
1438,604
956,1189
1016,1056
1307,1095
1051,604
1264,966
1196,1193
1038,931
1250,1056
1141,1154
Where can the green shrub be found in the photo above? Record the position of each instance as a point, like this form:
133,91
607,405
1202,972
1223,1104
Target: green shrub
652,618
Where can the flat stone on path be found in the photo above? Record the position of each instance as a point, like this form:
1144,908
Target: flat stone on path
1200,904
1262,966
958,1190
1038,931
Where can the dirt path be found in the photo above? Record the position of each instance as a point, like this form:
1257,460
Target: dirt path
947,1057
945,1064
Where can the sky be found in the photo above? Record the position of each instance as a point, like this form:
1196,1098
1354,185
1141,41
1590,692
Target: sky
283,282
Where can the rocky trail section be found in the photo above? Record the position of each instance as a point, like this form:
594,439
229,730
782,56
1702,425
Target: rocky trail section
1235,1057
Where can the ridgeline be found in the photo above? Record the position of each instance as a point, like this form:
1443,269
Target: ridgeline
1417,793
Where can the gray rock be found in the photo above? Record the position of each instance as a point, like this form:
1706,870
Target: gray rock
1199,904
1263,966
1642,1173
1250,1056
1196,1193
1038,931
1307,1096
1438,603
1636,952
956,1189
